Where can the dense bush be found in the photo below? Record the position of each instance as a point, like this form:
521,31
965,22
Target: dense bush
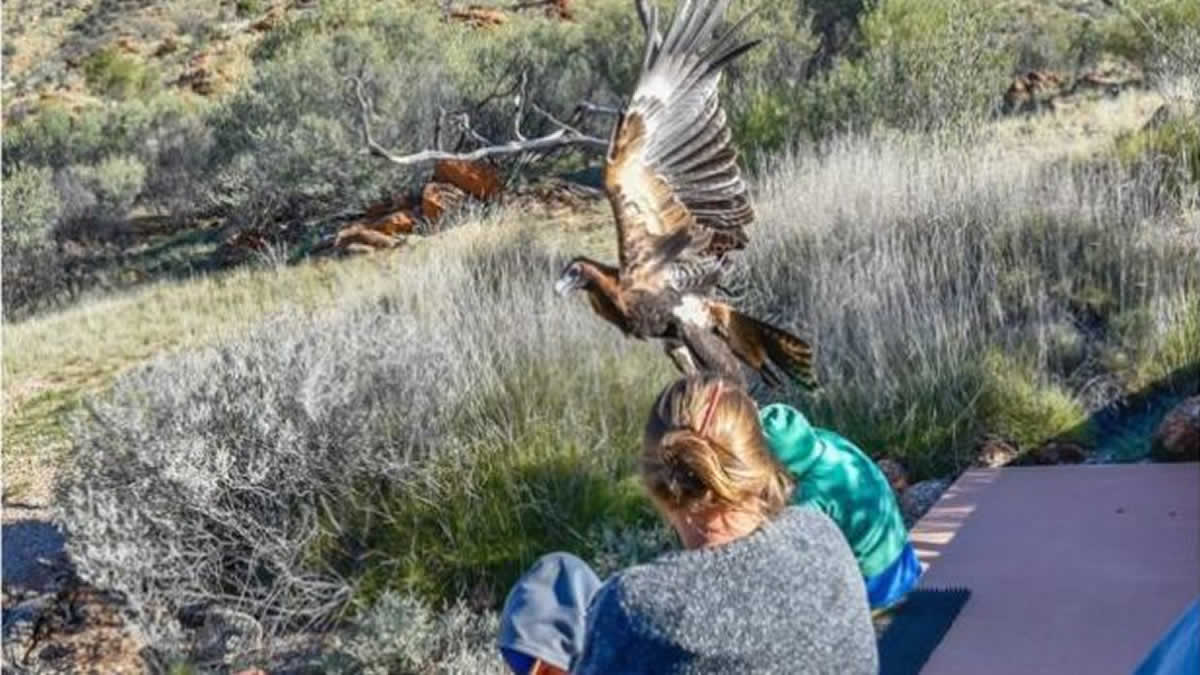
31,210
97,165
1147,30
916,65
114,74
272,464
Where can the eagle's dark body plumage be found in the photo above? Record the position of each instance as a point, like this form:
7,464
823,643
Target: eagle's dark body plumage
681,206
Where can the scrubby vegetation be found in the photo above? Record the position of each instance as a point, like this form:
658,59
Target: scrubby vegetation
380,447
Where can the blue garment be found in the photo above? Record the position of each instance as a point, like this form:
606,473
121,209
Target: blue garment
1178,651
519,662
887,587
545,613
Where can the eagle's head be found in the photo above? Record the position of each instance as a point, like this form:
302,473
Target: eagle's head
572,278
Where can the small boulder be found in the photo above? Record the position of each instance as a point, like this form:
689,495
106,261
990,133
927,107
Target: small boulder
1058,452
168,45
480,17
358,237
395,223
388,206
994,453
1177,438
437,199
268,21
919,498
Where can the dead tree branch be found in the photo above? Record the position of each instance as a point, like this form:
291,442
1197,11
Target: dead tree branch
564,136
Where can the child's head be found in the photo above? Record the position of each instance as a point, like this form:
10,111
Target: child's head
703,448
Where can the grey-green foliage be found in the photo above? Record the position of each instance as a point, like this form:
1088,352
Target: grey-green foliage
402,634
289,144
912,65
935,63
116,182
214,475
31,210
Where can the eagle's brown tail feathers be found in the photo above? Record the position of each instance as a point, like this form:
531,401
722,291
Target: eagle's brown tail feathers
762,345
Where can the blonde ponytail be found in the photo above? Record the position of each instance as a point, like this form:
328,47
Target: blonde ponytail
703,446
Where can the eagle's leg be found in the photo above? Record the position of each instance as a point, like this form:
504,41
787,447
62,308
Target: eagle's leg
681,356
713,354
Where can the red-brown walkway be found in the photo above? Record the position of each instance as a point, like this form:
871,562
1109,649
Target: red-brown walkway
1072,569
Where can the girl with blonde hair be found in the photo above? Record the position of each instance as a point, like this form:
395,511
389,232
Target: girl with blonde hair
760,586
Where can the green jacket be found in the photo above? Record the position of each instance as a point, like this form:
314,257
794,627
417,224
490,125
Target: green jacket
839,479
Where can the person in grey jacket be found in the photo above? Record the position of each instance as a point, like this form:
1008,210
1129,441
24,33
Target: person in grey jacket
760,587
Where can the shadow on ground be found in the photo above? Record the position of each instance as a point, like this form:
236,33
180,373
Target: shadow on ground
33,550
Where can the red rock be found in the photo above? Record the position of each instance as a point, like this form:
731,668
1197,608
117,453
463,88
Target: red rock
269,21
398,222
1177,438
439,198
387,206
480,16
994,453
478,179
364,236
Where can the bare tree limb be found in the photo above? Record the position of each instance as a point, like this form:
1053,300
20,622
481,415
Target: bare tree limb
564,136
598,108
520,107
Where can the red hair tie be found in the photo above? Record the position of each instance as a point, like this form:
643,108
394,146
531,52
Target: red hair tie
709,408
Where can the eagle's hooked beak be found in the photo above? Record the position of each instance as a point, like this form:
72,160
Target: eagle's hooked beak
564,285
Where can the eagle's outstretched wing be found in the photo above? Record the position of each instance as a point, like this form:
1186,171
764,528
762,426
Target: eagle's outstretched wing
671,173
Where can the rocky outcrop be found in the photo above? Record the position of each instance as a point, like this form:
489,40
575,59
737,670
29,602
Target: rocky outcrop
1032,91
919,498
481,180
1057,452
994,453
1037,90
479,17
1177,438
438,199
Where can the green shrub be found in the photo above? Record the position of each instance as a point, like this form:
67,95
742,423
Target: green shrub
934,63
246,8
31,210
1174,145
916,65
1017,403
117,181
111,73
1144,30
30,207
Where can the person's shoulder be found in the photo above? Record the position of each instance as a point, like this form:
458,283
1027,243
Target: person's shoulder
806,522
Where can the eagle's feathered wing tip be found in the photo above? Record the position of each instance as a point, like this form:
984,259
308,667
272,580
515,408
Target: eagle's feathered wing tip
762,346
